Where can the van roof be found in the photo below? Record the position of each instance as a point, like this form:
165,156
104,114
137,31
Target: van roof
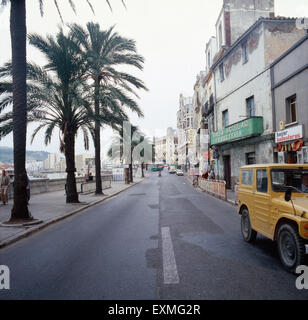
276,165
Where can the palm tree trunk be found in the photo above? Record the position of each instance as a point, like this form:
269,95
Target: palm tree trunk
131,167
71,189
97,144
19,71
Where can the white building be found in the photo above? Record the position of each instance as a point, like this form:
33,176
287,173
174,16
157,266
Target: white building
85,163
243,118
51,162
185,130
171,147
160,150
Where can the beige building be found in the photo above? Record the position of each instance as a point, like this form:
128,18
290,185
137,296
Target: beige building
171,147
160,150
52,161
185,130
85,163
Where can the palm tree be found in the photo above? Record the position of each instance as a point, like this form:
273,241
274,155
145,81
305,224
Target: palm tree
18,30
56,98
103,51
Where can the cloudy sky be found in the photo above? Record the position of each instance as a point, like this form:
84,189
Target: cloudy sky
170,34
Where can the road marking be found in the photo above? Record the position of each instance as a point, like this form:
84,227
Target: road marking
169,265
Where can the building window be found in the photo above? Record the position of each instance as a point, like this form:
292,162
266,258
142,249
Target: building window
291,109
251,158
222,72
211,121
250,106
247,177
225,118
245,52
262,183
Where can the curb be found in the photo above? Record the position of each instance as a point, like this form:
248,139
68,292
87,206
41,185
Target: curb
29,232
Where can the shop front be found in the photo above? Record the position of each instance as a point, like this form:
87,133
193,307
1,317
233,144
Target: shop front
290,145
237,145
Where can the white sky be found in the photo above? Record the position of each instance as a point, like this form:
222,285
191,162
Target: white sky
170,34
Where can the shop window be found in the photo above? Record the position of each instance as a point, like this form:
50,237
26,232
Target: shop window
222,72
225,118
291,109
250,107
251,158
262,183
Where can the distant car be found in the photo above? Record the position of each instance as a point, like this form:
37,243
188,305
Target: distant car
179,172
172,170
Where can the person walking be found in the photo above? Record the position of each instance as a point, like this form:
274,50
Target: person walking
5,182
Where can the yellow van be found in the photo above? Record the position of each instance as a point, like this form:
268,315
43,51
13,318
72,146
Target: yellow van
273,201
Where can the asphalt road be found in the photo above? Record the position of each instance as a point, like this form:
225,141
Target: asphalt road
161,239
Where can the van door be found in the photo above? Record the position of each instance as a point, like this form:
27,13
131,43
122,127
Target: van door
262,202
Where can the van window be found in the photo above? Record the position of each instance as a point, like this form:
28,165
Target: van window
247,177
262,183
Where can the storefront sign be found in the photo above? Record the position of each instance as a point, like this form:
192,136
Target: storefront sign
290,134
241,130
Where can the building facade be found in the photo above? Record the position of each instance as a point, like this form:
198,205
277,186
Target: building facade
185,131
289,74
244,130
171,147
85,163
160,150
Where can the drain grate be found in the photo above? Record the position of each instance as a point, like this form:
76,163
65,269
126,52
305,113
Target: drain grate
137,194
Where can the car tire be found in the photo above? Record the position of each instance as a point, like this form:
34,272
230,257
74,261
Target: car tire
249,235
291,247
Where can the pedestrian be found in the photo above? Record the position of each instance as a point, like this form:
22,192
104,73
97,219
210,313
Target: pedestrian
212,175
28,188
205,175
5,182
90,176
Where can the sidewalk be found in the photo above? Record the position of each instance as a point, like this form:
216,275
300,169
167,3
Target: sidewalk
51,207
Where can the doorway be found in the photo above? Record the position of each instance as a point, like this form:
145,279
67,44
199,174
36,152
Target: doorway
227,171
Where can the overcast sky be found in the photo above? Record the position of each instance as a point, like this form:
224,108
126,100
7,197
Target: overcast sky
170,34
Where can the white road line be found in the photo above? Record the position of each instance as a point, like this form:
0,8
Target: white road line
169,265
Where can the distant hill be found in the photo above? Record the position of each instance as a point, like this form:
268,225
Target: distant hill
6,155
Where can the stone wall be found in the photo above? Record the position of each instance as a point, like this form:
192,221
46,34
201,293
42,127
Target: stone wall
38,186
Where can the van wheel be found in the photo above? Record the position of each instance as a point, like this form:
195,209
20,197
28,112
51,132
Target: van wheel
248,233
291,247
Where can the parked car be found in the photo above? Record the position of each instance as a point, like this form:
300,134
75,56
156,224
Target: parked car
273,201
179,172
172,170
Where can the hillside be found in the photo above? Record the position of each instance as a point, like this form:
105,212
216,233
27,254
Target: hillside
6,155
